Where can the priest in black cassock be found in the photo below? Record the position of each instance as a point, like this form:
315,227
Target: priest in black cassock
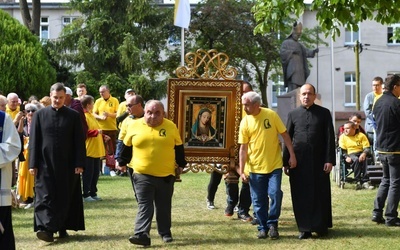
57,156
311,130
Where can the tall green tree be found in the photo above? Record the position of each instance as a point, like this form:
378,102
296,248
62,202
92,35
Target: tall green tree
119,43
227,25
23,63
331,14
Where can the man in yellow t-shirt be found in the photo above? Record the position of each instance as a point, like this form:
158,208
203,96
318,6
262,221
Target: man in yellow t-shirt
260,153
156,147
105,110
355,146
134,105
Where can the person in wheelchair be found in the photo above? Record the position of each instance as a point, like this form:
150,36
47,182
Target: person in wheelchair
356,119
355,149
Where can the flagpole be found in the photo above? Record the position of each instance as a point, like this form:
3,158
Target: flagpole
182,47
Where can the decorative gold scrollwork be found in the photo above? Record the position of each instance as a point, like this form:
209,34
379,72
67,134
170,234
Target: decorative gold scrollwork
209,64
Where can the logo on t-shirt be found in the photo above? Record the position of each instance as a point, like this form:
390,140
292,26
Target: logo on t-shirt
162,133
267,125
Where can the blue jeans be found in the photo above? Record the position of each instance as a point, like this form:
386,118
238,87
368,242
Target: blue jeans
263,188
389,188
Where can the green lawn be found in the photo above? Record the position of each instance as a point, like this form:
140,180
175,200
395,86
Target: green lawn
109,223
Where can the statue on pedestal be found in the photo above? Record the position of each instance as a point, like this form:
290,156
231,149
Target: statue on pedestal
294,59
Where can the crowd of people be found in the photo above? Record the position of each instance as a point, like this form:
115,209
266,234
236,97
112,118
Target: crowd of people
55,141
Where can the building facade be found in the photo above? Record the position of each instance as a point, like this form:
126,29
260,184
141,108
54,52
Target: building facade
333,70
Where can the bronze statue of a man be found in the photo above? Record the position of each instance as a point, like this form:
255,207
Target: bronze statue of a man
294,59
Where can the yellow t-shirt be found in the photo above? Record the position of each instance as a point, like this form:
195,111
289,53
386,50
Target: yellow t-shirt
121,108
261,133
353,144
153,148
109,106
11,113
94,145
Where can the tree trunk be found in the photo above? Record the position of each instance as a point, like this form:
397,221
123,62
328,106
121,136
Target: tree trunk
32,22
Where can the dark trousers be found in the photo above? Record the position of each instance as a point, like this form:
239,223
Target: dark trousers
153,192
233,197
389,188
90,176
215,180
7,240
359,168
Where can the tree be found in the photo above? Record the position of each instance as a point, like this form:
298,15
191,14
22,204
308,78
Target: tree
32,22
228,26
118,43
330,14
24,66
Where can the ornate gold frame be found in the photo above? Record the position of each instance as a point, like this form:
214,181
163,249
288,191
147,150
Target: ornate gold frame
215,79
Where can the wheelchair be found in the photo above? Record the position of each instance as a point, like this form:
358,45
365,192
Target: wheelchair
344,173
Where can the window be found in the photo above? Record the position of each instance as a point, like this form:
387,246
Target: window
277,90
44,28
390,33
350,37
68,20
350,89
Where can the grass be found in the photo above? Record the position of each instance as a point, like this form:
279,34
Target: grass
109,223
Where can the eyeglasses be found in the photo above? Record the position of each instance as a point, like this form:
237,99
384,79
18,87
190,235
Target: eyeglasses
131,105
30,111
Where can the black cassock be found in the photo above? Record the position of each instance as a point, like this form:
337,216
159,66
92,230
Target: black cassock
313,140
57,147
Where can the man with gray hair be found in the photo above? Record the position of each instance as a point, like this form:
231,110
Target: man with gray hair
260,154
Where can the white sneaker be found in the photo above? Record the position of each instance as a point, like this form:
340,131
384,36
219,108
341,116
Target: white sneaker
97,198
366,185
210,205
30,205
88,199
112,173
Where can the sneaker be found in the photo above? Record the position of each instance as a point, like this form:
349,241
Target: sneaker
210,205
30,205
112,173
273,232
359,186
167,238
254,222
245,217
97,198
378,219
88,199
228,211
236,209
262,234
366,185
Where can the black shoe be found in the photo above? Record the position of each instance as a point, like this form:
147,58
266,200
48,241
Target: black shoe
262,234
142,240
393,223
45,236
305,235
63,234
167,238
273,232
378,219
